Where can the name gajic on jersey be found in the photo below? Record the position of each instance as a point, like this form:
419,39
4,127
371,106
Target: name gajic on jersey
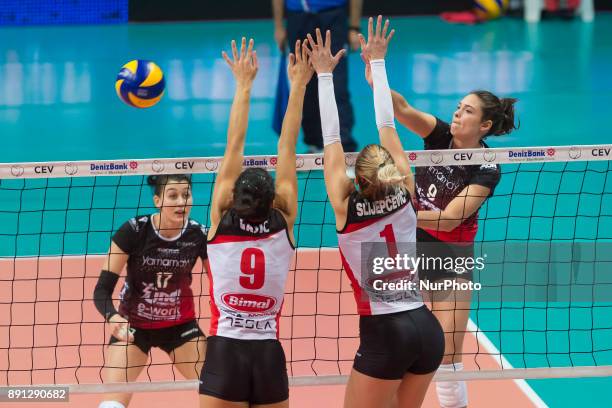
254,228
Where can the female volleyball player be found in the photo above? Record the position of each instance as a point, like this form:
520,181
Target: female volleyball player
250,248
449,198
157,307
401,342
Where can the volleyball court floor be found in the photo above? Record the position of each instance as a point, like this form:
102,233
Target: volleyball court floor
320,303
57,102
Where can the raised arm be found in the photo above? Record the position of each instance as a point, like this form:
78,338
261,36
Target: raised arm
244,68
374,52
300,72
337,183
421,123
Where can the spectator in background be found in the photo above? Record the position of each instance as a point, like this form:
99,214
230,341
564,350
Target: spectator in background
303,16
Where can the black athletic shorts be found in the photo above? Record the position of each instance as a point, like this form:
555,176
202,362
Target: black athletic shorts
254,371
432,247
394,344
166,339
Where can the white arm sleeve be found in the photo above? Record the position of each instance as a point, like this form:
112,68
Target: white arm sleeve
383,104
330,122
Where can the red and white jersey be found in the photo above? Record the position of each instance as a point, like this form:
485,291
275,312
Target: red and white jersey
388,224
247,268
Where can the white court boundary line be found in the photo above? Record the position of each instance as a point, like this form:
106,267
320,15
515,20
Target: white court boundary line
481,338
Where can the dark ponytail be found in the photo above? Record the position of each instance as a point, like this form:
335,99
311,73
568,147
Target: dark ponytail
499,111
158,183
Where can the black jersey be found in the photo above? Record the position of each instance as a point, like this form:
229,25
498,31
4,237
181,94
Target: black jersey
437,186
157,290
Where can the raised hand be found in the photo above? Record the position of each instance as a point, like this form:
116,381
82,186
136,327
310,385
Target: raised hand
244,66
378,40
300,70
321,56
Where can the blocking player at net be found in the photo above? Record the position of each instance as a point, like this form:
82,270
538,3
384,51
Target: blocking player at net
157,307
449,198
401,342
250,249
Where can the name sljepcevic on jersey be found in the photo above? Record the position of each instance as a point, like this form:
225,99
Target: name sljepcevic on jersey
157,291
437,186
248,266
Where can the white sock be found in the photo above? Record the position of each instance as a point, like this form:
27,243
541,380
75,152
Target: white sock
452,394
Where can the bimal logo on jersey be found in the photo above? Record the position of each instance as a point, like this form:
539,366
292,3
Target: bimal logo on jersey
247,302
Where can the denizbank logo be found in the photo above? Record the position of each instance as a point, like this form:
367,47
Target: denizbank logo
531,154
113,167
255,163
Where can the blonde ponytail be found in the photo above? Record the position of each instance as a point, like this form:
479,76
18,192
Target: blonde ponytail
376,173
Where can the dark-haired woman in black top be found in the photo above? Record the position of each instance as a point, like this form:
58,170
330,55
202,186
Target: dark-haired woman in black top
448,200
156,306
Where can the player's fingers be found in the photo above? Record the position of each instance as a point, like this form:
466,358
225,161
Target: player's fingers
370,28
250,49
312,43
378,25
305,51
234,50
362,41
339,55
243,48
385,28
255,60
227,59
319,38
298,51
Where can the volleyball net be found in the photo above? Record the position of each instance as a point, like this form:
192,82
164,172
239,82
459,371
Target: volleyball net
544,308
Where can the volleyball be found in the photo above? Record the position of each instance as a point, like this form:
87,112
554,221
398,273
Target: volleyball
490,9
140,83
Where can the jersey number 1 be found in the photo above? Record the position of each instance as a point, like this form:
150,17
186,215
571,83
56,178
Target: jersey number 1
389,236
252,264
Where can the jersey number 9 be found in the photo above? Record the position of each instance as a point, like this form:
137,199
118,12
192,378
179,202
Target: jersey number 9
252,264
